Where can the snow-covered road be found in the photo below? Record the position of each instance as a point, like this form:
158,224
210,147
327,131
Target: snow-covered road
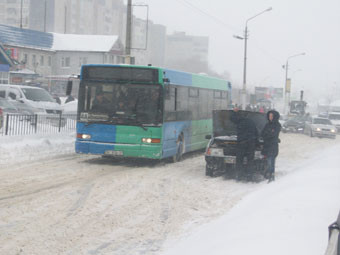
76,204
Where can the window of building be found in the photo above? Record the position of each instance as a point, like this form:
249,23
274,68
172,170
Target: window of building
4,79
42,60
65,62
34,59
49,61
25,59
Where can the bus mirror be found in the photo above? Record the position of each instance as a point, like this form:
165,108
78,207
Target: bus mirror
208,137
69,88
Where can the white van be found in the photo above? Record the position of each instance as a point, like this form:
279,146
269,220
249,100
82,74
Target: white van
36,97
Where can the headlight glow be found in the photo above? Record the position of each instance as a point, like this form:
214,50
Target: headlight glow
151,140
84,136
318,129
333,130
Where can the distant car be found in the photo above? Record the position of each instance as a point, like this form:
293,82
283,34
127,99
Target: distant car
335,118
294,124
320,127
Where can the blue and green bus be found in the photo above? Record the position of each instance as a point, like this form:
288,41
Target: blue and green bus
145,111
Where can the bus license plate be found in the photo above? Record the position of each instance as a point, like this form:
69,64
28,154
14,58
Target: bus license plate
114,153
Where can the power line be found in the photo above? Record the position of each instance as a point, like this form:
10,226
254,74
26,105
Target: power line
216,19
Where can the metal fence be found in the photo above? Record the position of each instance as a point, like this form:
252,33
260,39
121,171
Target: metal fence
16,124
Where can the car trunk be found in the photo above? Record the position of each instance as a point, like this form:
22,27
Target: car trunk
223,126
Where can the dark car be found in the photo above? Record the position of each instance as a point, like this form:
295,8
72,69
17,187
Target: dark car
220,153
294,124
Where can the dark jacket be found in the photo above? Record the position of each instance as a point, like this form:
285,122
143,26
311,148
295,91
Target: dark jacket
246,128
270,135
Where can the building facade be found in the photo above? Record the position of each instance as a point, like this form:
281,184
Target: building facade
186,52
53,54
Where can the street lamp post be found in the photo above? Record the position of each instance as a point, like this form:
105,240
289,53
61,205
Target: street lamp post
245,38
287,88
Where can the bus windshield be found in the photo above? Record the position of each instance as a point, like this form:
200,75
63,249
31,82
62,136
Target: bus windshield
123,104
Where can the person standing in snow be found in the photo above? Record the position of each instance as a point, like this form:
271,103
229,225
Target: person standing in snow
247,136
270,135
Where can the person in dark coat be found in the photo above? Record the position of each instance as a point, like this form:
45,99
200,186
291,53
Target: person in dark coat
247,136
270,135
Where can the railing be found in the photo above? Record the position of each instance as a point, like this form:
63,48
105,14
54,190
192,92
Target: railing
16,124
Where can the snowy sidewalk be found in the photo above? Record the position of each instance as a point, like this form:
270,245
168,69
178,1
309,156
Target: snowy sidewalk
289,216
18,149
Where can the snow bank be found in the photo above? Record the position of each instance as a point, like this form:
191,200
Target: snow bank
289,216
15,149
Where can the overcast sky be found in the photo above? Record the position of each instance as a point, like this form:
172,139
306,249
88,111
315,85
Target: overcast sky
292,27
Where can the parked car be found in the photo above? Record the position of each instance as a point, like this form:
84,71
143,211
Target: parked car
320,127
220,155
33,96
6,108
333,247
294,124
23,108
36,98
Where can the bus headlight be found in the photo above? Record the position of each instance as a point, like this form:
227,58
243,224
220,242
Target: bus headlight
333,130
151,140
84,136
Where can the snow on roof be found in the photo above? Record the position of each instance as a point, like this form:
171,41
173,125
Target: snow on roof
73,42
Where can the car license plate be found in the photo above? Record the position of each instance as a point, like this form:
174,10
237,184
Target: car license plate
230,160
114,153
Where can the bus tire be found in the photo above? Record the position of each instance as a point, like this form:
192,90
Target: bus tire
179,154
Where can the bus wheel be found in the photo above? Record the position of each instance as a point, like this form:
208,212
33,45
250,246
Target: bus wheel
179,153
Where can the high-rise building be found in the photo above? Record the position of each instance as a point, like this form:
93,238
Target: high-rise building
186,52
101,17
14,13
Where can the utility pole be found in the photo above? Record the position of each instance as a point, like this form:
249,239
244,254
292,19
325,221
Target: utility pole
244,87
45,17
128,33
21,13
65,19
